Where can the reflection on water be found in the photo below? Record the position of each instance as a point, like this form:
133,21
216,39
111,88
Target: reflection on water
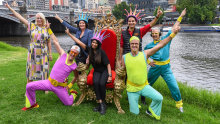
195,57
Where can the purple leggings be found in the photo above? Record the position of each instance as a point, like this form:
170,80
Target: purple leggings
45,85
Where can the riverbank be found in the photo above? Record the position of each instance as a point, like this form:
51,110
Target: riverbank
200,106
188,27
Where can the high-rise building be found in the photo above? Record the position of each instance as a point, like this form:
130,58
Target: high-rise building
38,4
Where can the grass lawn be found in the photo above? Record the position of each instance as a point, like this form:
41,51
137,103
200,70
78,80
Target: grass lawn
199,106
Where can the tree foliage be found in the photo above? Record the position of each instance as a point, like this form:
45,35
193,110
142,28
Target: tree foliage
198,11
119,10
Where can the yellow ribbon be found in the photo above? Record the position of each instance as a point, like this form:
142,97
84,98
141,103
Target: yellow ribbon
161,62
137,85
156,41
56,83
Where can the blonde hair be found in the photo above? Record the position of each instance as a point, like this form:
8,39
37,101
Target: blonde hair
42,16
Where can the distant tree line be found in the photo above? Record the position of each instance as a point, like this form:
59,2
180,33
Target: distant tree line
198,11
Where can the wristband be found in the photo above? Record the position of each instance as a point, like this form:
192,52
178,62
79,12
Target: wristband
110,75
179,19
70,85
172,35
157,17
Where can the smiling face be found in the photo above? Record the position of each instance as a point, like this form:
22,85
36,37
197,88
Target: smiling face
134,45
155,34
94,44
72,54
82,25
131,22
39,20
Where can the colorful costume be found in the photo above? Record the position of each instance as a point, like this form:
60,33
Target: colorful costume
127,34
137,84
59,73
37,59
86,38
162,67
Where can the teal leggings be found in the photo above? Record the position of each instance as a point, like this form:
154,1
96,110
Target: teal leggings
150,92
167,74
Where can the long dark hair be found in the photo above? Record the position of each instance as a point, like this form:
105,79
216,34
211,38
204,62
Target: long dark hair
95,57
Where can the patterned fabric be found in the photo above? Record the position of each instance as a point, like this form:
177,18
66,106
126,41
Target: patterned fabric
37,59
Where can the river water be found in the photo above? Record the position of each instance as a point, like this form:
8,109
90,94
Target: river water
195,57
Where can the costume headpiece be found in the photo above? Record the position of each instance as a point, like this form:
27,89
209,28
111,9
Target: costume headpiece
134,38
132,14
84,18
97,36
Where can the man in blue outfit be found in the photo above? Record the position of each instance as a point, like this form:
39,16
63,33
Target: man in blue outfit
160,64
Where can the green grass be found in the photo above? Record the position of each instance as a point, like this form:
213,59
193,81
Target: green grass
200,106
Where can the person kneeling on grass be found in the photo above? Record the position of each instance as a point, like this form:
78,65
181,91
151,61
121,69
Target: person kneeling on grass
137,83
64,65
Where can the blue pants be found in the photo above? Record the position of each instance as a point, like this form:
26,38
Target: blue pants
150,92
167,74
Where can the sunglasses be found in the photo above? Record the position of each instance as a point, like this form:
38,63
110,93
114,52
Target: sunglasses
74,53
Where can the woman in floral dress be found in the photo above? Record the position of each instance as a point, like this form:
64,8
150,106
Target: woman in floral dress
39,51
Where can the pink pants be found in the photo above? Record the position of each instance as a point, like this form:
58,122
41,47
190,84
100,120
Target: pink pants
45,85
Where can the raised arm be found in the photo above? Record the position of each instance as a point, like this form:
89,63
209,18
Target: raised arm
58,18
162,43
75,39
154,21
17,15
72,29
178,21
57,45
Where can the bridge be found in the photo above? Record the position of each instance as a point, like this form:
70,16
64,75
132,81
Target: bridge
10,25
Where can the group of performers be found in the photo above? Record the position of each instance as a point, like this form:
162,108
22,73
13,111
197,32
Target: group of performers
88,51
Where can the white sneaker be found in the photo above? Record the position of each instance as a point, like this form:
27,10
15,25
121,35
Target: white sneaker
181,109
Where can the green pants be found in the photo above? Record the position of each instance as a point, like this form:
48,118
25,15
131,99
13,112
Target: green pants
150,92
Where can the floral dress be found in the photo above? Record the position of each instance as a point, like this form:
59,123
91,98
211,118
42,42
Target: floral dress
38,59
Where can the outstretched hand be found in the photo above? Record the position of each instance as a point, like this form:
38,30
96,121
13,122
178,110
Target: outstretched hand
183,13
67,30
47,25
6,5
57,17
159,12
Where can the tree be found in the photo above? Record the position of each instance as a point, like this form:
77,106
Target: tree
198,11
119,10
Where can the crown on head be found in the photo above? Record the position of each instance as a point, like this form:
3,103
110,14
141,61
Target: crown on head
132,14
84,18
100,37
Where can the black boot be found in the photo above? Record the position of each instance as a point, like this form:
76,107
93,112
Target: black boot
97,108
102,108
143,100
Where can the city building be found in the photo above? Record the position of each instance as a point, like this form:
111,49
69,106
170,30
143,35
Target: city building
91,4
149,5
59,5
117,1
